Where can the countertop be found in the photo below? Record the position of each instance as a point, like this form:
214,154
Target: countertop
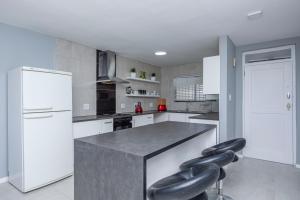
208,116
150,140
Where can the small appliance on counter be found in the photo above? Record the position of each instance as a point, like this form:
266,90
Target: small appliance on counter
162,107
138,108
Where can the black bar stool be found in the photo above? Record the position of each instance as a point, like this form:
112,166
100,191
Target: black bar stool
189,184
232,145
221,160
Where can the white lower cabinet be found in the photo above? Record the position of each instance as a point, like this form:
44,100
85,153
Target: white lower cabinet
161,117
180,117
142,120
89,128
107,126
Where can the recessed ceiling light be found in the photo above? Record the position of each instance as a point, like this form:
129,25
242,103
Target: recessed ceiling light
160,53
255,14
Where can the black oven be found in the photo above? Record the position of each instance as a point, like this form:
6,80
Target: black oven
106,99
122,123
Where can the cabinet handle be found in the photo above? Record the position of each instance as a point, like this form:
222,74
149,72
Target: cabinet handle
107,122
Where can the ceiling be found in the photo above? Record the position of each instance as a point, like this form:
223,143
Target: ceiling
187,29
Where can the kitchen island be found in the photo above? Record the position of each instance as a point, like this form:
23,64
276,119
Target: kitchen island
123,164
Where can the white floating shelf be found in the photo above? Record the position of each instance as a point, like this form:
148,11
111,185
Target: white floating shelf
142,80
143,96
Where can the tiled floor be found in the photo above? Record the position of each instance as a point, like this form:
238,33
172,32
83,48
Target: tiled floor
249,179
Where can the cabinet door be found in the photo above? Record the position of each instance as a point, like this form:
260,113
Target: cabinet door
48,147
107,126
178,117
85,129
211,75
161,117
46,92
142,120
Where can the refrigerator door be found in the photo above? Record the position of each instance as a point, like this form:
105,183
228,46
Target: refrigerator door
48,148
44,92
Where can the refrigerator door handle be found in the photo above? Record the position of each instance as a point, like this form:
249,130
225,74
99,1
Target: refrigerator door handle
39,117
39,109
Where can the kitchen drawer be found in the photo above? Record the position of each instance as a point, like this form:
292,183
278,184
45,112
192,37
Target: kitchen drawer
85,129
107,125
142,120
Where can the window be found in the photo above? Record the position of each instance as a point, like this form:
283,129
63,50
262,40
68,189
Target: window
189,88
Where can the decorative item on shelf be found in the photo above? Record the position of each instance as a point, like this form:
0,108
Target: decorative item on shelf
129,90
153,77
142,75
138,107
162,107
133,73
142,92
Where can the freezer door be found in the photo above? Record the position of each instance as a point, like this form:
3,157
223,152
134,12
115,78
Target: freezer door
43,92
48,148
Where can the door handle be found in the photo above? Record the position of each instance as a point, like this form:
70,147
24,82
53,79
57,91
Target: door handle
288,95
288,106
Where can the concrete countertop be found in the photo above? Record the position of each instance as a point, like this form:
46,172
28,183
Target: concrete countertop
147,141
208,116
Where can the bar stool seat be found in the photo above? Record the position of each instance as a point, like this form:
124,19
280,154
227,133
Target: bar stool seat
233,145
189,184
221,160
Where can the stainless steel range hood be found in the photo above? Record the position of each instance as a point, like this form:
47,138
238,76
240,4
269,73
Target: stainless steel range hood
107,68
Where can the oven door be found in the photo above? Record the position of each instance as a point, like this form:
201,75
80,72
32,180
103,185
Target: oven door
122,123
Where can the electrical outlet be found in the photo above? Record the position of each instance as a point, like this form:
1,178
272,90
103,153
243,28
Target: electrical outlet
123,106
86,106
151,105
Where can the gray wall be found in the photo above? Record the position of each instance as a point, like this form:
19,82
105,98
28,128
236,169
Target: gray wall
168,89
123,71
227,51
19,47
239,81
81,61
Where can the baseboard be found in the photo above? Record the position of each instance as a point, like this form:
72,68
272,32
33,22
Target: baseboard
3,180
297,166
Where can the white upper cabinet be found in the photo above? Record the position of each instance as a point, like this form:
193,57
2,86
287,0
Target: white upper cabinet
211,75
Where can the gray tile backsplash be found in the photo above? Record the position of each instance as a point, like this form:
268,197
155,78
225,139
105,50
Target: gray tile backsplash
168,90
81,61
123,71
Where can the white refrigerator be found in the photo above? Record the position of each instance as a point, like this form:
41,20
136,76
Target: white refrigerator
40,141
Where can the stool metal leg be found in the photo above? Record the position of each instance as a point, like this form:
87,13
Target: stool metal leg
218,194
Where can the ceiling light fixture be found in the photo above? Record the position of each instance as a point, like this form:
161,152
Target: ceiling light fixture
255,14
160,53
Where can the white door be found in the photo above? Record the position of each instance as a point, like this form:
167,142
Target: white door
44,92
48,148
268,111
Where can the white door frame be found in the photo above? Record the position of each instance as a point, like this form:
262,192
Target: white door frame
292,47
